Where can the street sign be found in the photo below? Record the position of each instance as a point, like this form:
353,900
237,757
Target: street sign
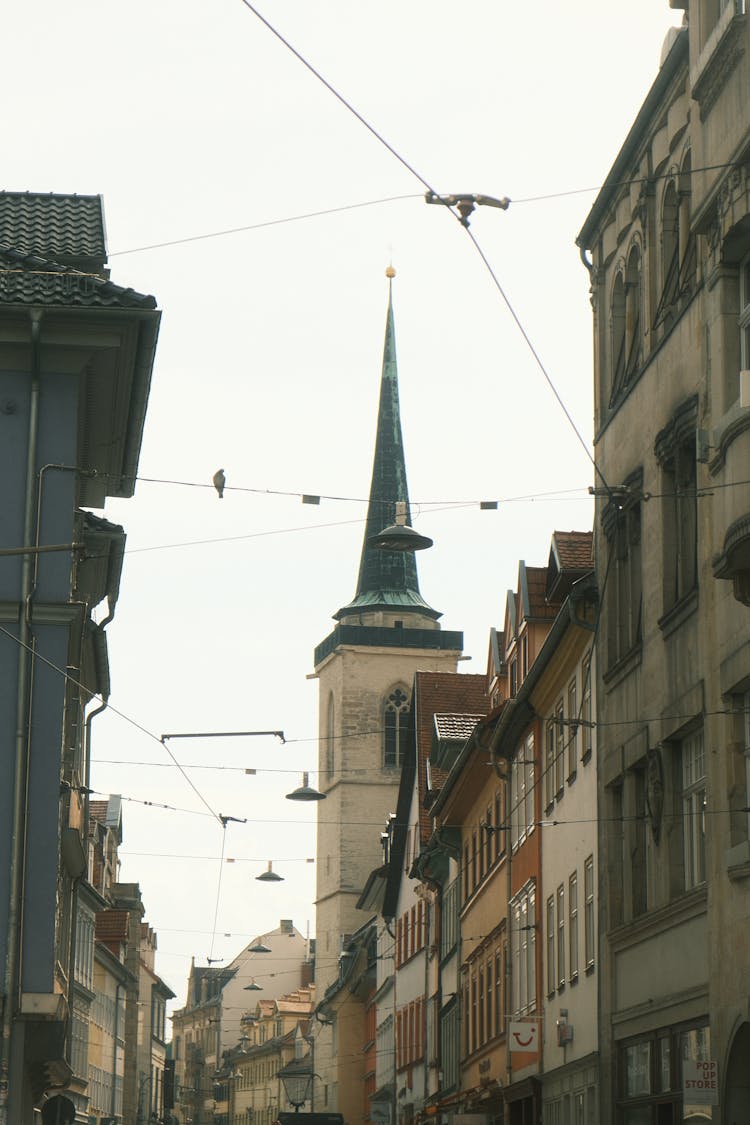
524,1037
700,1082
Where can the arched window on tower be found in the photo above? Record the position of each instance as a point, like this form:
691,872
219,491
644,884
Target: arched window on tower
330,749
395,727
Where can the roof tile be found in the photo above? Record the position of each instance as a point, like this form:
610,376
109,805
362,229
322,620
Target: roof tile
453,694
62,227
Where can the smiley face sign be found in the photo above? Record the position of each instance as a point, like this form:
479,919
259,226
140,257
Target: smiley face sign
524,1037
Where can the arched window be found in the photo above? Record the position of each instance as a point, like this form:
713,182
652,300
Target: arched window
618,336
395,727
330,749
633,318
688,256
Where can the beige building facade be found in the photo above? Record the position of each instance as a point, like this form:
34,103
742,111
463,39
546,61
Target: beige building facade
667,244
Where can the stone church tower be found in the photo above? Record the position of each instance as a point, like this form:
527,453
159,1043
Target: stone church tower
365,669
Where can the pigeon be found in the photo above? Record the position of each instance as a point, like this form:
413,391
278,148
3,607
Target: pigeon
219,481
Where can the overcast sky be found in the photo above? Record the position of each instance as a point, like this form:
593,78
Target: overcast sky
192,119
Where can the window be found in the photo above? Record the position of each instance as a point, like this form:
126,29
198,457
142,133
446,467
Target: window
498,836
693,809
449,1050
650,1076
573,926
330,740
522,796
559,749
549,765
500,991
627,325
396,724
523,921
745,703
675,451
588,919
744,319
561,936
586,724
621,522
571,731
551,945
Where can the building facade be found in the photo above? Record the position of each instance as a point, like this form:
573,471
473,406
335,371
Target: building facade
667,246
76,354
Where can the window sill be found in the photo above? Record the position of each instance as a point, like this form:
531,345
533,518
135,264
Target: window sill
738,861
586,756
623,667
679,613
590,968
572,776
573,980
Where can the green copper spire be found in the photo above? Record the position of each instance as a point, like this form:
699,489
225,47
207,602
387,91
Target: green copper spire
387,579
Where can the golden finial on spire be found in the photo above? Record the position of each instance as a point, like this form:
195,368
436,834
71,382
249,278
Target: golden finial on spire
390,273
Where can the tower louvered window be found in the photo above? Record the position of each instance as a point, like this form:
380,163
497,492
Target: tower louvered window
396,722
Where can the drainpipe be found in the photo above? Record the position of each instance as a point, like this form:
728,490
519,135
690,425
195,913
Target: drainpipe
113,1105
20,781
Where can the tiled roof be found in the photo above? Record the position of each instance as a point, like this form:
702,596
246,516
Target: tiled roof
574,549
61,227
447,694
29,279
455,728
536,583
98,810
112,925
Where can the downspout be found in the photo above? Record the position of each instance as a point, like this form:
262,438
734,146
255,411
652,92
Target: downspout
23,729
113,1105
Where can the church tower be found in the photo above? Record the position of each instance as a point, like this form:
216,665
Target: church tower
365,669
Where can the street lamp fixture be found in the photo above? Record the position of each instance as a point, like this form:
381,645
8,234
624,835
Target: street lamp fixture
399,536
297,1078
269,876
305,792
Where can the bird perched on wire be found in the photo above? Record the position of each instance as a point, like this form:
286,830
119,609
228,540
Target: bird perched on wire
219,481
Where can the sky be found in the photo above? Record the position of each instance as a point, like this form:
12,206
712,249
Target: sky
262,214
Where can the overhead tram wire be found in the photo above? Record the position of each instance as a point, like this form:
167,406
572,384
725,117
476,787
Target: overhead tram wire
547,196
449,207
95,695
266,223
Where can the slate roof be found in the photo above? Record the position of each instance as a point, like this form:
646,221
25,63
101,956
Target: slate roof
27,279
61,227
387,579
451,694
53,252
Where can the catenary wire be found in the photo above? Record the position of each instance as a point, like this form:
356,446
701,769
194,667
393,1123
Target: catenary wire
264,224
378,136
71,679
